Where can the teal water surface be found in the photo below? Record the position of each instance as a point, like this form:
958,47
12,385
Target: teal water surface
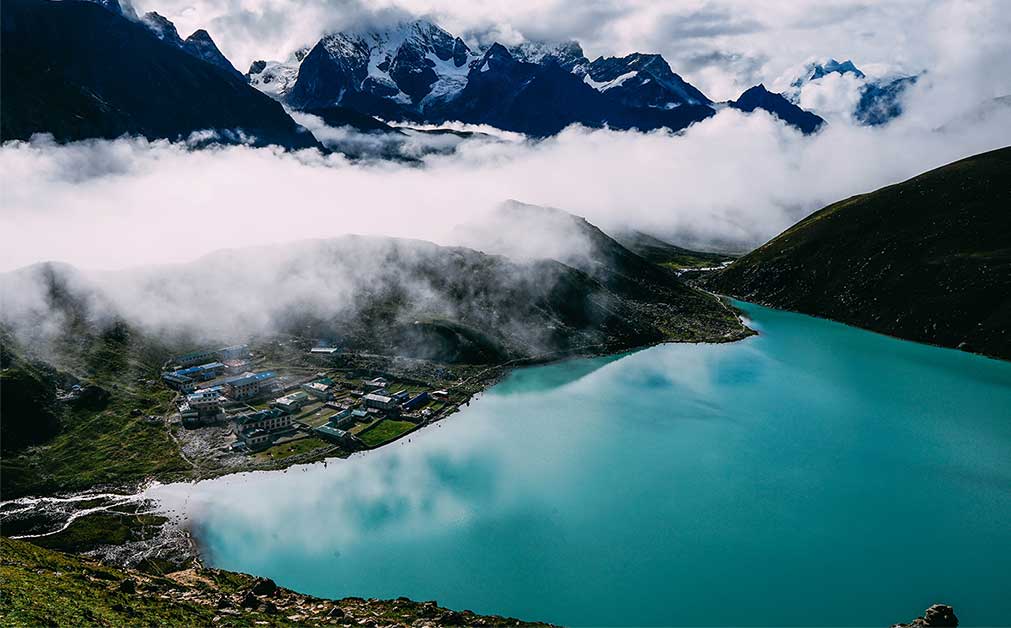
815,474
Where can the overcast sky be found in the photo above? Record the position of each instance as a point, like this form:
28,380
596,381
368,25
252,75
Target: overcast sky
722,46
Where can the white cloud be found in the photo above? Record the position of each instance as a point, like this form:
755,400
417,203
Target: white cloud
734,178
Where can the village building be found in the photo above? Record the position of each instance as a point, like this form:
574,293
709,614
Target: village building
206,401
342,419
332,433
401,396
208,355
254,439
380,402
235,352
185,379
376,383
324,350
416,401
194,357
248,385
178,382
236,366
322,389
292,402
270,420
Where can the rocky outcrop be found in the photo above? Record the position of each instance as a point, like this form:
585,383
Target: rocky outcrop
936,615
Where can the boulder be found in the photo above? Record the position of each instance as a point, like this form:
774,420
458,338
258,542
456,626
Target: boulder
92,397
937,616
264,586
128,586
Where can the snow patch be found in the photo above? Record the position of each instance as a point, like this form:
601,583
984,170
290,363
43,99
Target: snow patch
603,86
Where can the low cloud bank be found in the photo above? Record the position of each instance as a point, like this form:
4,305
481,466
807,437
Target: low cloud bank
732,181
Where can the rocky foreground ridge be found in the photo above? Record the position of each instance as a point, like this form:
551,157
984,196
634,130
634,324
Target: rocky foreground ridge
42,587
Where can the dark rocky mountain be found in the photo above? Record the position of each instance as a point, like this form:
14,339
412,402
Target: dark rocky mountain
758,97
404,68
568,54
846,67
543,99
201,46
416,71
78,70
927,259
162,28
882,102
641,80
880,98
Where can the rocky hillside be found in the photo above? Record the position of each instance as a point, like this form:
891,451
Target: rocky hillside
43,587
928,259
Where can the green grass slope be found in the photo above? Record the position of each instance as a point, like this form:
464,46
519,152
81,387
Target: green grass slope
669,255
42,587
928,259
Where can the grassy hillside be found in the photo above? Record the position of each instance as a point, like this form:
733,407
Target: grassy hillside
42,587
928,259
669,255
104,435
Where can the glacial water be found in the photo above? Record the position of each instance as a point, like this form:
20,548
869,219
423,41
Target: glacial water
815,474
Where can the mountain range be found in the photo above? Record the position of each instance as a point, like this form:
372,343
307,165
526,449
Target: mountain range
80,69
417,72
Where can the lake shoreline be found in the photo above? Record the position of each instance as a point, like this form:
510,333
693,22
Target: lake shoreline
484,379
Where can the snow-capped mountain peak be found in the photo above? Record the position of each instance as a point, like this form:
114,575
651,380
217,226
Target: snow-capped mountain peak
642,80
406,63
276,78
568,54
834,67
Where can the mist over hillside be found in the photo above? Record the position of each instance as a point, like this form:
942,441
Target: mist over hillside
382,295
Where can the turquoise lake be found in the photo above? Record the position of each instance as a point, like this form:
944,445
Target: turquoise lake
815,474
